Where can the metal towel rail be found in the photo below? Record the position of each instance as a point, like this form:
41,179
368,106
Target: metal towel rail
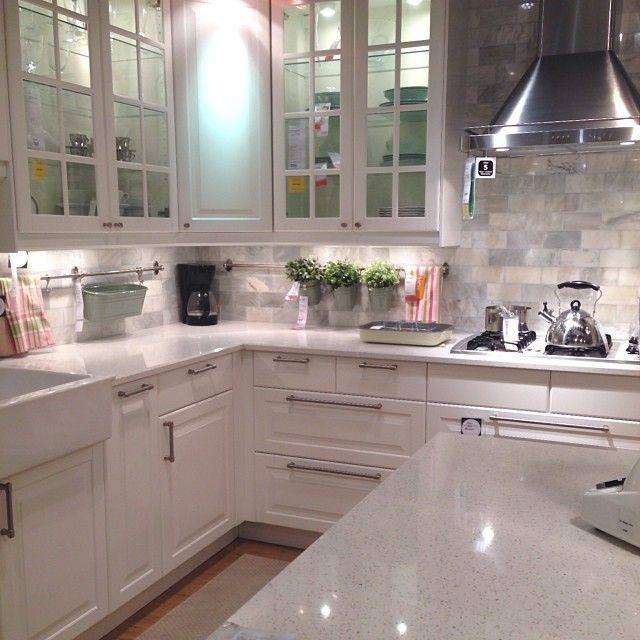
76,274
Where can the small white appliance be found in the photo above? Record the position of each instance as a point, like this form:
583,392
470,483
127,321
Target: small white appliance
614,507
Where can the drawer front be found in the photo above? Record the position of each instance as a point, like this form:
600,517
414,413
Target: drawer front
350,429
549,427
593,395
184,386
294,371
382,378
488,387
309,494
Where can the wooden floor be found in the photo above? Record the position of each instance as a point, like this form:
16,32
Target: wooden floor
141,621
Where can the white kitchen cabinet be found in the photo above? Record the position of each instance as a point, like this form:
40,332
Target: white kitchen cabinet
502,387
197,483
53,573
223,115
308,494
300,371
368,109
133,501
533,425
327,426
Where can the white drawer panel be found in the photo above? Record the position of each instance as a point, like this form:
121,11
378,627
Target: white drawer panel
593,395
294,371
351,429
184,386
311,496
488,386
549,427
382,378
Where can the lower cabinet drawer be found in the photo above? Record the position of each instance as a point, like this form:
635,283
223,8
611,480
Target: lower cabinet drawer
530,425
309,494
352,429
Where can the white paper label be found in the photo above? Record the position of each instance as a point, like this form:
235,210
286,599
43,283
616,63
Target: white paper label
293,293
410,279
303,312
297,145
471,426
77,293
510,328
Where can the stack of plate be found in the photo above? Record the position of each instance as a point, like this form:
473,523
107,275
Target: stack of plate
405,159
403,212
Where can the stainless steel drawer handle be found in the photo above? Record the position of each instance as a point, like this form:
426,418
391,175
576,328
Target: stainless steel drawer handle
143,388
10,532
172,450
349,474
335,403
553,425
207,367
292,360
386,367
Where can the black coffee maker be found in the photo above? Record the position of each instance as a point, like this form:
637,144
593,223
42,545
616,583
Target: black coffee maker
198,305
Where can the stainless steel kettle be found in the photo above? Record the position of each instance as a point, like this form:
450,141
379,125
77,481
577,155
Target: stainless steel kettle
575,328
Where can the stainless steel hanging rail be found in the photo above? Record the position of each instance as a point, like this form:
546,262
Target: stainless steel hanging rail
230,265
76,274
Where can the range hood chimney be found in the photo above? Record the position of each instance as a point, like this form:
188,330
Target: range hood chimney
575,96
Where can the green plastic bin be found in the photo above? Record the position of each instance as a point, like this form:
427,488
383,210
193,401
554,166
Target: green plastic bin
104,302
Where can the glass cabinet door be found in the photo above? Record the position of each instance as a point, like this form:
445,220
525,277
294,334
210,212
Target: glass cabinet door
139,129
57,113
392,106
313,58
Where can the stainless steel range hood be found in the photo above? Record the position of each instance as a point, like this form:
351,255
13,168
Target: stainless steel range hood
576,95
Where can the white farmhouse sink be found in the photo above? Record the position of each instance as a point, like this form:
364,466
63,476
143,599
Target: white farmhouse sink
45,415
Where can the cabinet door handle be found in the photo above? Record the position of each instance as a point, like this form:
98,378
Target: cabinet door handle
172,449
336,472
386,367
10,532
207,367
143,388
292,360
335,403
118,225
107,225
553,425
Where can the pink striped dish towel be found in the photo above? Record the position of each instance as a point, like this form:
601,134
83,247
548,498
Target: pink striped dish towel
422,301
25,313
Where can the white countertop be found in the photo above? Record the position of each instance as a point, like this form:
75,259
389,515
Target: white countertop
150,351
471,539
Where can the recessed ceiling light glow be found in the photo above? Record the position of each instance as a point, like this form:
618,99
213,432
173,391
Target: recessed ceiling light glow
327,12
401,628
414,3
627,143
325,611
503,148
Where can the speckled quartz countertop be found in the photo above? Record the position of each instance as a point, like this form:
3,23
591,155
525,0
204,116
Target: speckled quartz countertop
471,539
135,355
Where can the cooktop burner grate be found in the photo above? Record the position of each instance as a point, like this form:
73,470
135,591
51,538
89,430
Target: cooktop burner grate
492,341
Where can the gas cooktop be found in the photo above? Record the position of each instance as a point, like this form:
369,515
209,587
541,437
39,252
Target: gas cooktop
530,345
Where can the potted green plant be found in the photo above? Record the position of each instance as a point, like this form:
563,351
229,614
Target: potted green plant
308,272
343,277
380,279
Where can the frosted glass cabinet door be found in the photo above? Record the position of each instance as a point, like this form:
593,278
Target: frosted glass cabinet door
223,119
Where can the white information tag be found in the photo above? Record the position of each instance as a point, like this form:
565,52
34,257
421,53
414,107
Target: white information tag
293,293
485,168
297,144
303,312
77,294
410,280
471,426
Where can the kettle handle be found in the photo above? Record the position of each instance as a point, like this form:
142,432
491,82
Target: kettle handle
578,284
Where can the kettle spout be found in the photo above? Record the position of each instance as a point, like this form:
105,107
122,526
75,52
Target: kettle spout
547,313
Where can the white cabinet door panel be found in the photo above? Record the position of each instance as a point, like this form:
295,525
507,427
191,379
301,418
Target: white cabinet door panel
198,501
133,501
350,429
312,496
488,386
53,574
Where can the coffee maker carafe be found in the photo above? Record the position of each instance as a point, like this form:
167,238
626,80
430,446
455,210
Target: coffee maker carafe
198,302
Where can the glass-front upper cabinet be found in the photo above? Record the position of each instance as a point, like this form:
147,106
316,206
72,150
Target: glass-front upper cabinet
312,44
57,114
223,114
140,118
395,129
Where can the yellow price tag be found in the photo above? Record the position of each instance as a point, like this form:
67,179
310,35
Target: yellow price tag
296,184
39,170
